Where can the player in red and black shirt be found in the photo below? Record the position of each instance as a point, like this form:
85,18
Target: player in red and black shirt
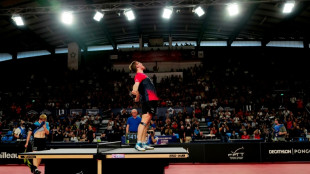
144,90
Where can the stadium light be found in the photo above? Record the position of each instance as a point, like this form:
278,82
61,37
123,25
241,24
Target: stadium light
167,12
288,6
67,17
98,16
18,20
233,9
130,15
199,11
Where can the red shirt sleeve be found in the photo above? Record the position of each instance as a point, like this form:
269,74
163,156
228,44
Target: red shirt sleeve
139,77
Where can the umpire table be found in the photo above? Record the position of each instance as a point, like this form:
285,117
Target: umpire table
106,158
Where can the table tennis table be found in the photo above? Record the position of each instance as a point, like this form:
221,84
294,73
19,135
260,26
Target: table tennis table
106,159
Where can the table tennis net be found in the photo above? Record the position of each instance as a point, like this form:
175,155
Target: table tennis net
106,146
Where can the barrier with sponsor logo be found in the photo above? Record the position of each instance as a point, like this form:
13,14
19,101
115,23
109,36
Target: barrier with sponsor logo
288,151
232,152
9,153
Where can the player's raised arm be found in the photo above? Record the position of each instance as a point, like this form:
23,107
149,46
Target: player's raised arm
135,88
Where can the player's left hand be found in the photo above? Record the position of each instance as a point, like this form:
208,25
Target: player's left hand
137,99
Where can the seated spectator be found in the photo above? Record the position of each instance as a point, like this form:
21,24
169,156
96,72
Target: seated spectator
57,134
168,130
103,137
197,133
73,137
257,134
234,135
83,138
245,136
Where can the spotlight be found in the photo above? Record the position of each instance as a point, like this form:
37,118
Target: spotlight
167,12
233,9
98,16
130,15
18,20
199,11
288,6
66,17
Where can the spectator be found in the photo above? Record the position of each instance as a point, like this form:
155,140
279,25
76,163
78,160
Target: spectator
20,132
245,136
188,134
279,131
197,133
257,134
90,134
223,130
133,122
57,134
168,130
103,137
83,138
234,135
181,133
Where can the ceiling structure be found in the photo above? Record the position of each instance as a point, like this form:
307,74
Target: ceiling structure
259,20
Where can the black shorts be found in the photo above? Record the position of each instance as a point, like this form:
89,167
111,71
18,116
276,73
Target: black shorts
149,107
39,144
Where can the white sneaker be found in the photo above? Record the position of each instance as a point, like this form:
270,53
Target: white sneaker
139,148
147,147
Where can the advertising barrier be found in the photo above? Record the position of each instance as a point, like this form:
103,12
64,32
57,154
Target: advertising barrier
286,151
9,153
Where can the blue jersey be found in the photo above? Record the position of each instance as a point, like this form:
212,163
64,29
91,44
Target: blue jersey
277,130
133,123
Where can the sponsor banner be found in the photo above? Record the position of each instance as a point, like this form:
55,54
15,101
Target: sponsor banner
47,112
92,111
32,112
9,153
76,111
288,151
232,152
166,139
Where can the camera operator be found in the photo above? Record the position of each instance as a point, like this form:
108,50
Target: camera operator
152,138
20,132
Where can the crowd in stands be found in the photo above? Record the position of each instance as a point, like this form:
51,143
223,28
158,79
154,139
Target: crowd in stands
244,106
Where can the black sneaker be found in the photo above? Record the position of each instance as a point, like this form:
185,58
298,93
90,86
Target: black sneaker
32,168
36,171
